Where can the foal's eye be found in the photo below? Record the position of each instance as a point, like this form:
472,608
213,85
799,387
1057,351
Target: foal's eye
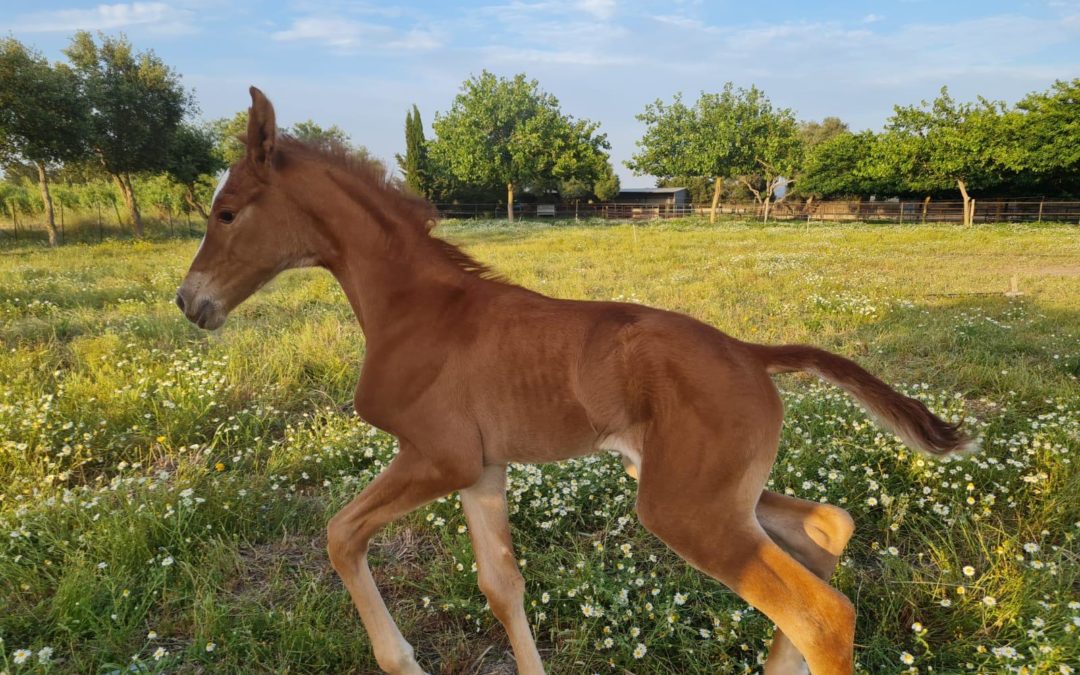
226,216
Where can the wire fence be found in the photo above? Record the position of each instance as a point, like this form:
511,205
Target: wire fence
899,211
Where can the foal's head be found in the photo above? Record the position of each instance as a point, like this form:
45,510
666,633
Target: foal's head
254,232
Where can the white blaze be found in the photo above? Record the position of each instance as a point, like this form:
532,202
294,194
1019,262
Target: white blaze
221,183
217,190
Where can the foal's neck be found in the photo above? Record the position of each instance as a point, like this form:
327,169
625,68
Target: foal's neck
392,272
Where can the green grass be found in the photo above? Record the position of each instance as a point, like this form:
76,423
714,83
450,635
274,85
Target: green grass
155,478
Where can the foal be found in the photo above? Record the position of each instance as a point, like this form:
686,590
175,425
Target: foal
470,373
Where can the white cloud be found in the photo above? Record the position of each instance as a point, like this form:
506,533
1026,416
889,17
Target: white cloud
349,35
157,15
872,18
601,9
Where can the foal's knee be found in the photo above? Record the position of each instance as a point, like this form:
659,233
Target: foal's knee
344,546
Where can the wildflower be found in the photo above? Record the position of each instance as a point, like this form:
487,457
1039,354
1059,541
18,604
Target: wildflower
210,646
969,571
680,598
917,627
152,635
220,466
159,653
166,561
21,655
639,650
907,659
989,601
44,654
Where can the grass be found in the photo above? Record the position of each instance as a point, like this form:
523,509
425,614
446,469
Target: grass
164,491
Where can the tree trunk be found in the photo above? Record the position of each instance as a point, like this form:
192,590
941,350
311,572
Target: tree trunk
715,200
967,201
925,207
46,199
510,202
189,196
128,193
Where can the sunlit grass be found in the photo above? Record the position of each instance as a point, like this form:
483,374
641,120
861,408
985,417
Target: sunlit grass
163,491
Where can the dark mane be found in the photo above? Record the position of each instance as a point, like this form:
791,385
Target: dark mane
399,207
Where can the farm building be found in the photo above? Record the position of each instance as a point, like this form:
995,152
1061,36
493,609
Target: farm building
661,196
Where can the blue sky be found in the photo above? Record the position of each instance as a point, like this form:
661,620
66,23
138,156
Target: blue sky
360,65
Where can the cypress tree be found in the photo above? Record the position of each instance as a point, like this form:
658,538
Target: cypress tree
414,164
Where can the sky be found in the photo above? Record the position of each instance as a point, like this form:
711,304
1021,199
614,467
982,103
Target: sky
361,65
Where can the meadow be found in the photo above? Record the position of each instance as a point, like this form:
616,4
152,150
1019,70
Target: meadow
164,491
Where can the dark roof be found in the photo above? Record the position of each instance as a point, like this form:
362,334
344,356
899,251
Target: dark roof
654,191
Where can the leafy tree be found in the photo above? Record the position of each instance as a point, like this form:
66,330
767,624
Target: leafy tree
732,134
509,132
228,133
607,186
137,104
43,120
846,165
813,134
934,146
414,164
191,159
1048,126
311,133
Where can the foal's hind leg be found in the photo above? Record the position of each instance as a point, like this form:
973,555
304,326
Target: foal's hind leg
409,482
814,534
698,494
498,577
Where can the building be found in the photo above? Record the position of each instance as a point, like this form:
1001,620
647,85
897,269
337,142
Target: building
661,196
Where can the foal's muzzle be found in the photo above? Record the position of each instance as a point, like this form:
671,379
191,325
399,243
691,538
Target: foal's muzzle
204,312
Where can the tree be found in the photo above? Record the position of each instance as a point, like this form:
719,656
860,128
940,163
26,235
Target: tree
813,134
43,120
137,104
229,133
191,158
934,146
509,132
733,134
414,164
1048,125
311,133
846,165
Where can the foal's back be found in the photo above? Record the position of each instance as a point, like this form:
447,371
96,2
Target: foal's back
549,379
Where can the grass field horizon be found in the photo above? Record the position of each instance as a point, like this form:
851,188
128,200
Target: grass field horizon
164,491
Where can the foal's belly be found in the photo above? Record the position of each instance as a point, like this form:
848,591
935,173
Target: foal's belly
537,434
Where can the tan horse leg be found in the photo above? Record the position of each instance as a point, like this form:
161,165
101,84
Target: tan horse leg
498,577
704,509
814,534
409,482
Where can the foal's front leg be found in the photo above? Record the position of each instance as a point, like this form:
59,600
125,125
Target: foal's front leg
410,481
497,573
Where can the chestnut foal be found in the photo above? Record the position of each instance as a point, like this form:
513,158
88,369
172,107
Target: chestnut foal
470,373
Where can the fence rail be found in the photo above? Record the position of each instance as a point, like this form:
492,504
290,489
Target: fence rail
900,211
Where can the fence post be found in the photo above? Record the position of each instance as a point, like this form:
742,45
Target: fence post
1041,201
901,212
925,206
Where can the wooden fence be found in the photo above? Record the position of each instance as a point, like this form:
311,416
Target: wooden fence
898,211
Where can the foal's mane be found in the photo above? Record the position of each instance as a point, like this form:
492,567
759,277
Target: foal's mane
393,204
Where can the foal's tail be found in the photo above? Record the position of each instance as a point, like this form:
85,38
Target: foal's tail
906,417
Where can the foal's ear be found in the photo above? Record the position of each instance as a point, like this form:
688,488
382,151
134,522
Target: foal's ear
262,129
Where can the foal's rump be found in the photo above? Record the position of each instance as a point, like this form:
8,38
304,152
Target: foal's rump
908,418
